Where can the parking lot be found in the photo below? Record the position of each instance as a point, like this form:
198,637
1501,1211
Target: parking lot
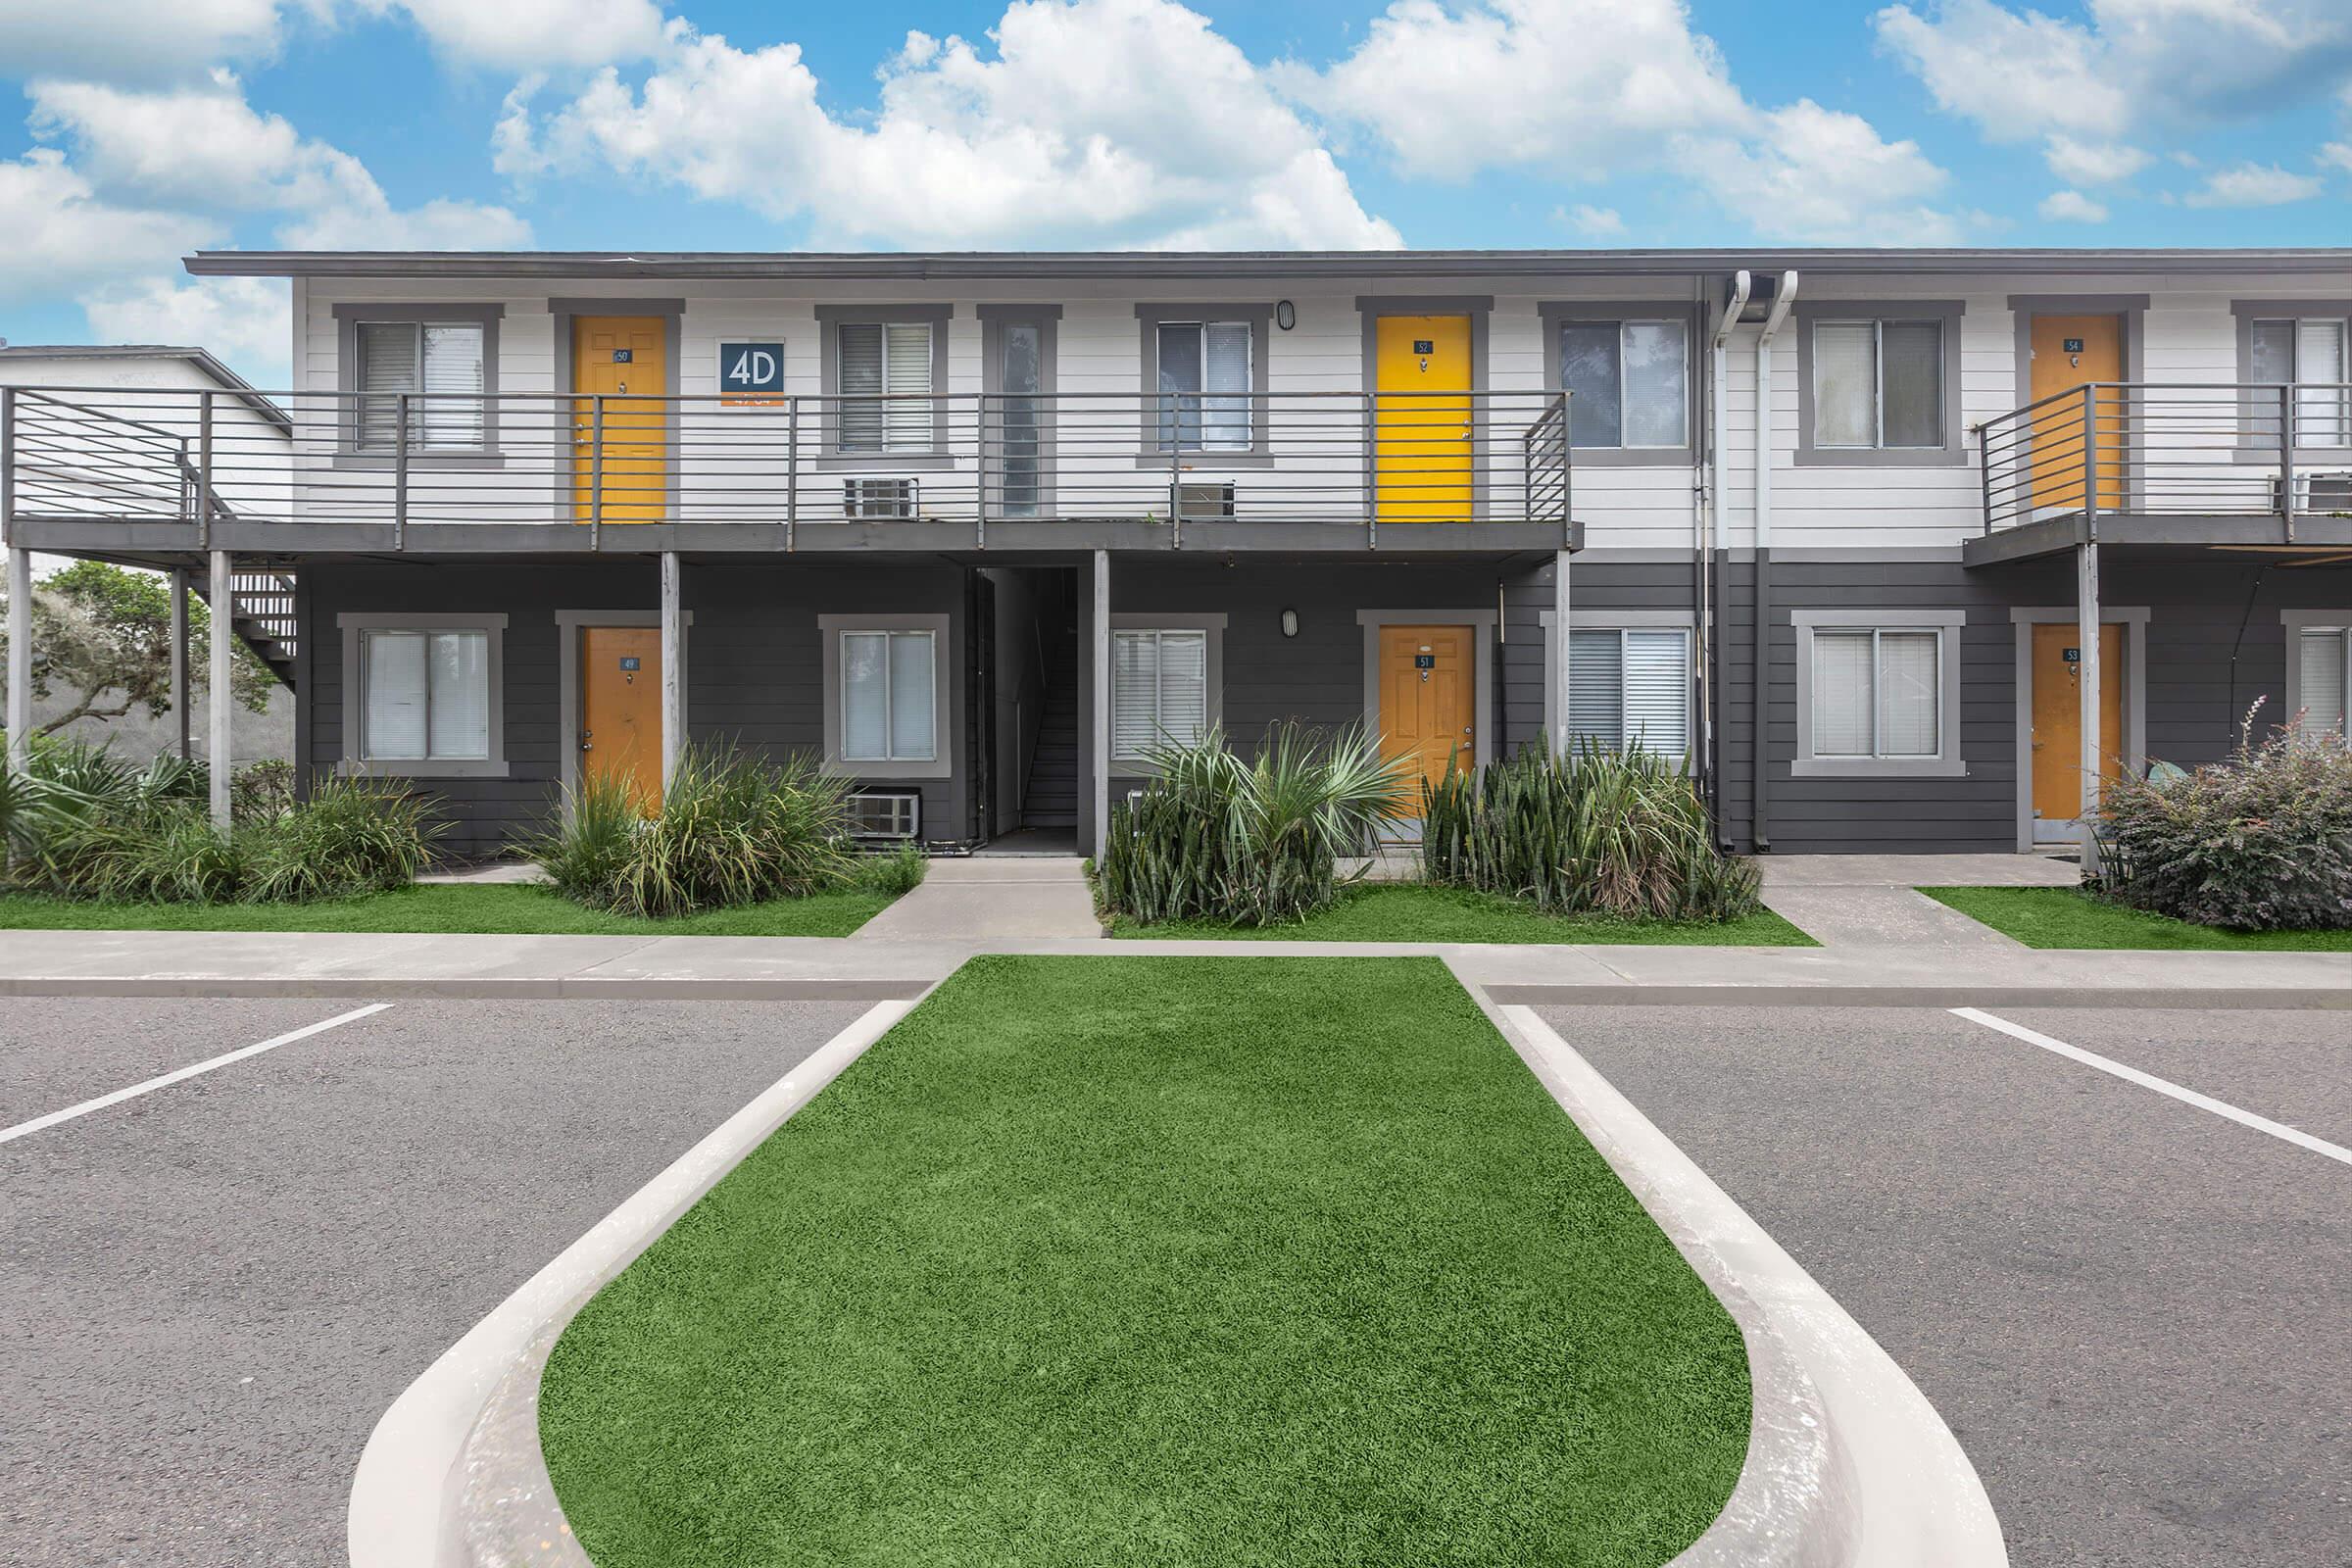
2131,1309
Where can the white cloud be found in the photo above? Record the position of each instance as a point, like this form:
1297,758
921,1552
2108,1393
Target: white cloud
244,321
62,235
533,34
2253,186
2093,163
133,39
1120,123
1826,175
198,147
2017,77
2072,206
1600,223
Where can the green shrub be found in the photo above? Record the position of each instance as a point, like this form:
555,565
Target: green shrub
351,836
262,790
896,871
732,830
1589,831
2262,842
1251,842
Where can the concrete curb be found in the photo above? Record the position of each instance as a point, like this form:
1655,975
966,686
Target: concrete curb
421,1462
2189,998
1882,1480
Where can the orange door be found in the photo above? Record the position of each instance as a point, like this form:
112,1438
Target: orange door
1421,368
624,360
621,709
2067,352
1428,686
2058,716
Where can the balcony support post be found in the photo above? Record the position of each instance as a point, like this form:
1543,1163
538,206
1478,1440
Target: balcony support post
792,473
1098,760
2090,459
2286,460
596,473
2088,676
674,670
1558,654
400,471
1372,470
204,470
180,718
19,659
221,646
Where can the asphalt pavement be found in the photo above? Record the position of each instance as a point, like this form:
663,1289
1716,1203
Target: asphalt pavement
210,1293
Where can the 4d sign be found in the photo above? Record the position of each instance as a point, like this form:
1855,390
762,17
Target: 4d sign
751,374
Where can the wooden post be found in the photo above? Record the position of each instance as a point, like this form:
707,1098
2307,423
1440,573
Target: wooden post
20,659
1559,656
673,671
2088,676
1100,759
182,723
221,755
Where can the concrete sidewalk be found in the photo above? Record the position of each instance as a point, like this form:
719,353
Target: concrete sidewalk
1845,901
801,968
1005,897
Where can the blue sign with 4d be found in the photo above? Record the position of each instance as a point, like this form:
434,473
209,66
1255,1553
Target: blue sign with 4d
751,373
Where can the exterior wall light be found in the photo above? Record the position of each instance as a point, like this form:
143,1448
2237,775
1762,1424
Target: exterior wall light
1285,314
1289,623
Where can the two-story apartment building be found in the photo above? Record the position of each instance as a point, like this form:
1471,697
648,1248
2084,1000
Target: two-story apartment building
1898,547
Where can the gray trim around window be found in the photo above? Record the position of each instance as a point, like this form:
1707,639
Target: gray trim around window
353,764
2252,447
348,317
1047,319
1212,623
565,309
2133,674
1261,318
830,319
1949,454
1556,314
2294,622
941,764
1581,619
1948,761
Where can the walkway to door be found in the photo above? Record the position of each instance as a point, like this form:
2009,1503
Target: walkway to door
988,897
1845,901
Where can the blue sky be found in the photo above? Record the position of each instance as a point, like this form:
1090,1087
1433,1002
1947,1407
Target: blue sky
143,127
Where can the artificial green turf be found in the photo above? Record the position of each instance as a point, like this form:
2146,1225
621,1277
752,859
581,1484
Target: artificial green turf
2065,918
442,906
1165,1261
1411,911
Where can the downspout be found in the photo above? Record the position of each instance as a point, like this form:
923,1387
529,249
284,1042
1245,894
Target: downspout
1710,567
1759,787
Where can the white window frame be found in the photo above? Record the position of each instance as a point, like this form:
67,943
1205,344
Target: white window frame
941,762
1625,621
2296,622
1214,625
355,762
1946,625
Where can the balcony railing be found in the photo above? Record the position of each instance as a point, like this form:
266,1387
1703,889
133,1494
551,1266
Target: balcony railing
2147,449
606,463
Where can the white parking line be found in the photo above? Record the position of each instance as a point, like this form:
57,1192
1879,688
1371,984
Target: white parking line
23,1128
2188,1096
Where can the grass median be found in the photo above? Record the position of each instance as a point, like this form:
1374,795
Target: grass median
2064,917
1231,1262
488,909
1411,911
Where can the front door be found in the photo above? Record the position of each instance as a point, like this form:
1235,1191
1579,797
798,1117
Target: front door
621,709
2067,351
1428,695
1422,370
2058,723
624,360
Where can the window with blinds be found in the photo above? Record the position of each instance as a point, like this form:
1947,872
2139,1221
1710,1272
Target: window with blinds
1877,693
1877,384
1629,383
886,386
442,361
1206,371
427,696
889,697
1158,690
2322,671
2308,354
1631,688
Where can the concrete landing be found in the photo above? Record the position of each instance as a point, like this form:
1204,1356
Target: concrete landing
992,898
1918,872
1879,916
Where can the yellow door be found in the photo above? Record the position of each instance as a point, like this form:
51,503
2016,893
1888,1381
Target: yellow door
2067,352
1428,686
624,358
1421,368
621,709
2058,716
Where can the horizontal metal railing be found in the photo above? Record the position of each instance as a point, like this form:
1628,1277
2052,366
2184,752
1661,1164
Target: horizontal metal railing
608,461
2170,449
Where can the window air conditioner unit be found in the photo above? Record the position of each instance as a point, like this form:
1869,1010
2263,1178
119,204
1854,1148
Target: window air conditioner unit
1214,500
2327,492
878,500
885,814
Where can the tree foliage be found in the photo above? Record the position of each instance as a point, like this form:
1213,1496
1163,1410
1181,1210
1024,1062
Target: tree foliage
102,638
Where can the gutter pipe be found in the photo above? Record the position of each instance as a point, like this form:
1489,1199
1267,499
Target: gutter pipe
1759,788
1710,565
